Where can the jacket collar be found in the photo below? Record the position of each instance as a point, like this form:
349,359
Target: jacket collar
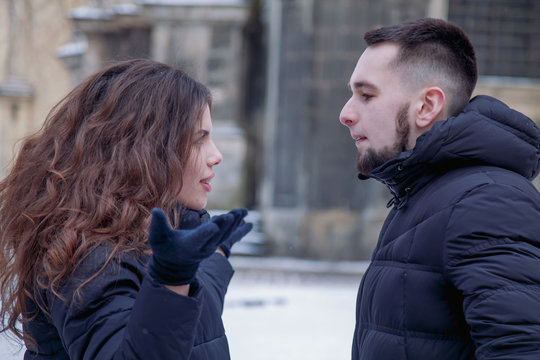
190,219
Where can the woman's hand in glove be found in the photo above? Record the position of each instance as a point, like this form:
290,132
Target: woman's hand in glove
176,254
238,231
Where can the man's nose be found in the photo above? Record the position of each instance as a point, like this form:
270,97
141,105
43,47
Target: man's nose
348,116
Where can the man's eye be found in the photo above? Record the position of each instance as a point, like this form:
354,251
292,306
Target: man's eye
367,96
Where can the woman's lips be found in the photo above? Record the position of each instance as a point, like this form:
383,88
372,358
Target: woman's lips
206,183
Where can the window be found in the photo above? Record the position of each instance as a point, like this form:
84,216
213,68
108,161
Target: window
504,33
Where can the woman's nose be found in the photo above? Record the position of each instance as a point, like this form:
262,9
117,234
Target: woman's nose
215,156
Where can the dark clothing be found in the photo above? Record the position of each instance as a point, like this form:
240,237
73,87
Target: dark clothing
456,270
124,314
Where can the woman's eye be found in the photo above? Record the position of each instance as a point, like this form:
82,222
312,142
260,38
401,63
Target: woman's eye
203,135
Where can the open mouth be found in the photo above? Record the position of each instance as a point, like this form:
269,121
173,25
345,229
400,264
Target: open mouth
359,139
206,183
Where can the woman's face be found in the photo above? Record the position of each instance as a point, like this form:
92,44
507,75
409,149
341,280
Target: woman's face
198,173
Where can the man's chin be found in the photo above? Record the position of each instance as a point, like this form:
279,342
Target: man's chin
367,162
362,171
363,176
371,159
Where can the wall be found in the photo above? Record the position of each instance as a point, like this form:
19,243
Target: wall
313,205
32,78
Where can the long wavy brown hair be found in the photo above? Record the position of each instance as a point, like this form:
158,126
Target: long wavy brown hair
110,151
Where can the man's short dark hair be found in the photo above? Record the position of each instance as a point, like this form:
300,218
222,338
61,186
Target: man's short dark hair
433,52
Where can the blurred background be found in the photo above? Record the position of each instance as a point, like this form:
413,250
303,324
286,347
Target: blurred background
278,71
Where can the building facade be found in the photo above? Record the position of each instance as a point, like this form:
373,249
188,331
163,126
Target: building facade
313,205
278,71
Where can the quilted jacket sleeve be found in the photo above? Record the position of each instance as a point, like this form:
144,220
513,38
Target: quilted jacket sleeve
215,273
123,314
493,259
211,342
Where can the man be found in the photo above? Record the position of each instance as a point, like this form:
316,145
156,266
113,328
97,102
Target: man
456,271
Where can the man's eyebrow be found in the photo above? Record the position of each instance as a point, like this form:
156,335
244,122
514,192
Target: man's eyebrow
362,85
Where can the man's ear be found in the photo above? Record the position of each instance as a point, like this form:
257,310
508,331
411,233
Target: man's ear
431,107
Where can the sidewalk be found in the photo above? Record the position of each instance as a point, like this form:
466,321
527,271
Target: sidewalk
283,308
272,265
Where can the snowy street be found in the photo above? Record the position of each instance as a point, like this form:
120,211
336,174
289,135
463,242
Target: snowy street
291,309
280,308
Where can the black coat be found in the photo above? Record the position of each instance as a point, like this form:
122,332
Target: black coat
124,314
456,271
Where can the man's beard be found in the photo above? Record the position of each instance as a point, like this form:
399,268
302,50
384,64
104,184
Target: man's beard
370,159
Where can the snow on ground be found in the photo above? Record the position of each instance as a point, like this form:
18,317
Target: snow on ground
285,309
288,321
9,350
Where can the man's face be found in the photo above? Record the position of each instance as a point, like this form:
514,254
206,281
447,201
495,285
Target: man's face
377,114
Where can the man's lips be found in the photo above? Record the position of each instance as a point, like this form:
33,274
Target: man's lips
358,139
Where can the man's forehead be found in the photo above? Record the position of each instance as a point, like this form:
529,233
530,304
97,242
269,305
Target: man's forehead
373,65
378,56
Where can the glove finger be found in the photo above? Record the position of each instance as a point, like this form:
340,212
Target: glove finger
235,236
238,216
224,221
241,231
159,227
206,239
223,218
196,238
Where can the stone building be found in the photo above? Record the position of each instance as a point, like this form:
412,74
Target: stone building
51,45
278,71
312,203
32,78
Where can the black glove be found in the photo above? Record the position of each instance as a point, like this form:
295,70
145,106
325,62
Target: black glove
238,232
176,254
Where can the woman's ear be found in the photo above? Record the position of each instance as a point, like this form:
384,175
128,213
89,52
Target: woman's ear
431,107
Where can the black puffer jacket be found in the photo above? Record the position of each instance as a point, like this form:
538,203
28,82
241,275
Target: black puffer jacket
124,314
456,271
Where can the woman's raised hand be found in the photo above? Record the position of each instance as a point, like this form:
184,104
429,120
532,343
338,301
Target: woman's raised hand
178,253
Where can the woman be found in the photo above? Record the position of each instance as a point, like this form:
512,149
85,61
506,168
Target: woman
87,266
